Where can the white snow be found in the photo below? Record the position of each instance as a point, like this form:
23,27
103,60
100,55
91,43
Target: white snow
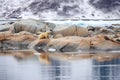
85,9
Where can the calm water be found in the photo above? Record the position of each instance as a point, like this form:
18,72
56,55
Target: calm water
30,68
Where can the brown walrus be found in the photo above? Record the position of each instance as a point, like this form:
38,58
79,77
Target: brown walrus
24,29
35,26
21,36
76,44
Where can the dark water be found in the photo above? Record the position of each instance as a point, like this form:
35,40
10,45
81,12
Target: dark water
30,68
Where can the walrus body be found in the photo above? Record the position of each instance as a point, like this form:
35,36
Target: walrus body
31,25
71,31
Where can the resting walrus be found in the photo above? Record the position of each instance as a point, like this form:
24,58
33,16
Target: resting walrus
72,30
35,26
31,25
75,44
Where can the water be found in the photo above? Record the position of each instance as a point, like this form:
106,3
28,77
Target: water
27,66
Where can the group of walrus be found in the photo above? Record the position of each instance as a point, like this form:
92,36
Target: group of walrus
46,37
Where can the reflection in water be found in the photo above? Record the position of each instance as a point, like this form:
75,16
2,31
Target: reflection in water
108,70
58,70
24,65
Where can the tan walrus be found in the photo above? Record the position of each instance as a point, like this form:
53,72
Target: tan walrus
76,44
34,26
21,36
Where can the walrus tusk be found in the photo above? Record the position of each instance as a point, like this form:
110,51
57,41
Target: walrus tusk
51,49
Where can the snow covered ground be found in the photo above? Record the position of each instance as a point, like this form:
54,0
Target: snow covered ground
60,9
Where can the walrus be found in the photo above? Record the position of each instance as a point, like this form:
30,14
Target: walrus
28,26
21,36
49,27
31,25
34,26
72,30
75,44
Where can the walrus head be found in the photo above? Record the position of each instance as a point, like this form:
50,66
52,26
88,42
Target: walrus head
49,26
